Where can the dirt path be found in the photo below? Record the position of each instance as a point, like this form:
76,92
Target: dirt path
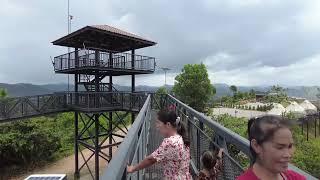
66,165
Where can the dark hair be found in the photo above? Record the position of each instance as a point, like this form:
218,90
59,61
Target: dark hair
166,116
263,128
209,159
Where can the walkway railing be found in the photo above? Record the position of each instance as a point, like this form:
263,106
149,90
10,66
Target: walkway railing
205,134
236,146
29,106
133,147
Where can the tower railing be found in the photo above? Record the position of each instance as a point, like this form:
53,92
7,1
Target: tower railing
106,60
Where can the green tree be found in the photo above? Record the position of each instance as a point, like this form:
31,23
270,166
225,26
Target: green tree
162,90
3,93
241,95
193,86
264,108
318,94
214,90
234,89
277,94
278,90
252,93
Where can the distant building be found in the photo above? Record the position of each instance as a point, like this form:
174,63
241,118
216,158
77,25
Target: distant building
260,96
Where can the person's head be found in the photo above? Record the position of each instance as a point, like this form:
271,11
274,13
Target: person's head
208,160
271,142
168,123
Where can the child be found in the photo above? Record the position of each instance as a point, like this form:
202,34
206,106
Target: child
212,165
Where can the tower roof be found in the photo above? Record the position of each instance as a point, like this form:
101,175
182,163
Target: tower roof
103,37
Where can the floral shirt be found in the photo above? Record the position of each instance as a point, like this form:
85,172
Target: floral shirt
174,157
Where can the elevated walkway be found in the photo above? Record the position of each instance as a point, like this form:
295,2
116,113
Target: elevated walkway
31,106
142,138
205,134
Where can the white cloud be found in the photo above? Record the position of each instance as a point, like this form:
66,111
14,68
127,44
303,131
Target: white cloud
308,19
10,8
150,80
301,73
241,41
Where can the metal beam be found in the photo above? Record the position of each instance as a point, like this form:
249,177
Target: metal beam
97,147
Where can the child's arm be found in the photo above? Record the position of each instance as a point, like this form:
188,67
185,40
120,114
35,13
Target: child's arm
218,166
148,161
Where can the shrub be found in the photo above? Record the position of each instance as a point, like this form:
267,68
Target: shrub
22,143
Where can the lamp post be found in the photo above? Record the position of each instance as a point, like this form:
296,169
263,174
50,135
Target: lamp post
69,30
165,69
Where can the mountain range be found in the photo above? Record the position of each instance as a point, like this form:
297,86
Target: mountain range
24,89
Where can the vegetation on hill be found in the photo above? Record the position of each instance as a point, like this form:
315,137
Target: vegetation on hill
3,93
276,94
29,143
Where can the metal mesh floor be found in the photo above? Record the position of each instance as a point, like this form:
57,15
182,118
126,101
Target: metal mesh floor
154,141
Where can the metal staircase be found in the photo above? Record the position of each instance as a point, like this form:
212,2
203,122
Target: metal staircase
88,81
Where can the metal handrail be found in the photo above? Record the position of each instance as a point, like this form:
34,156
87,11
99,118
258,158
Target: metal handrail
229,136
116,169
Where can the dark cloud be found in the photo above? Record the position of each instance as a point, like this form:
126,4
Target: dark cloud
227,35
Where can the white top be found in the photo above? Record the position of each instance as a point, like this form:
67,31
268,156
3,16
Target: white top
307,105
295,108
277,109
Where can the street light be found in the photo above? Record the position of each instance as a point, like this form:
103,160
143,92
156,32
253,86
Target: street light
165,69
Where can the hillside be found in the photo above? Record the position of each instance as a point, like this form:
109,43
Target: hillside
23,89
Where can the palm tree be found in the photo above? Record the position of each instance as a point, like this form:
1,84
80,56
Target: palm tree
318,94
234,89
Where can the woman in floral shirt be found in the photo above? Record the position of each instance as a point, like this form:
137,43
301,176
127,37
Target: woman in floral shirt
173,153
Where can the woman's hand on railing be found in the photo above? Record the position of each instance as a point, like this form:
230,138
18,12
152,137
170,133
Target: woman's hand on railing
130,169
221,150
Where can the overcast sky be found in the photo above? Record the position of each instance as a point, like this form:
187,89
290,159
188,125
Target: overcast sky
242,42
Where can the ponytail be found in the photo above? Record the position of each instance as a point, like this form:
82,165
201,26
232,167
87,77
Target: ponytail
170,116
181,129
